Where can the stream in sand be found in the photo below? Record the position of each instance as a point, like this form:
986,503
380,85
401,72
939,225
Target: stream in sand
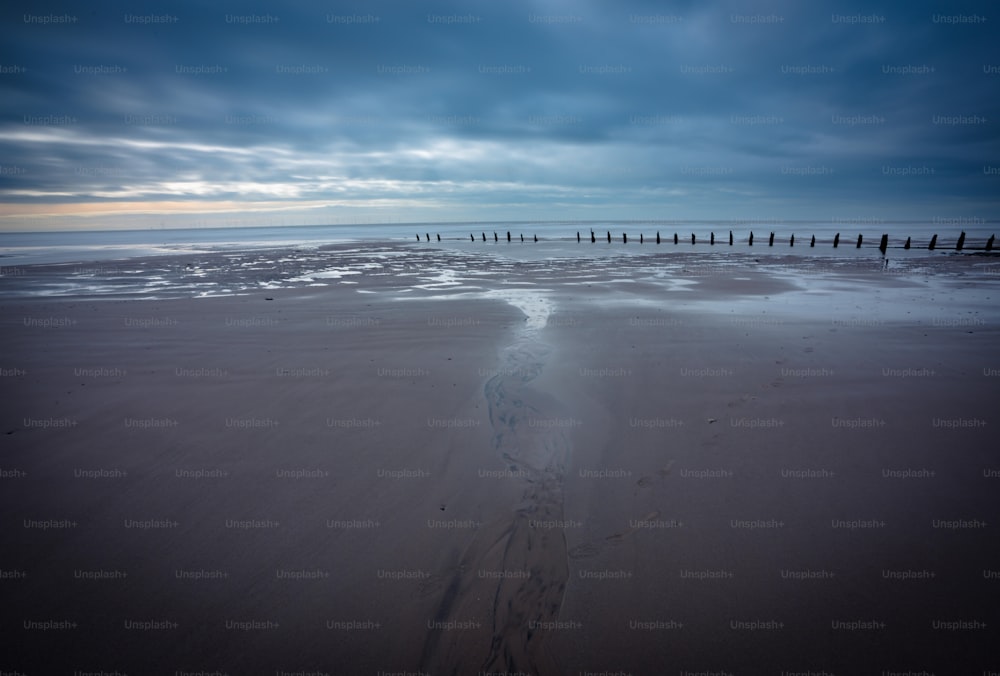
526,545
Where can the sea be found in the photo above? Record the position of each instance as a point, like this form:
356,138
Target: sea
79,246
156,263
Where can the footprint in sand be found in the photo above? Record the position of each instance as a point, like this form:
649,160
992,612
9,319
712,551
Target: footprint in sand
433,584
647,480
595,547
744,398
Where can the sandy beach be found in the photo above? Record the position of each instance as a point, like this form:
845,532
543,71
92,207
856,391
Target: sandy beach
439,464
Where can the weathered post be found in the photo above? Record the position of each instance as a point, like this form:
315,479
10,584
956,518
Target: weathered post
989,243
836,240
907,245
751,238
859,243
933,243
770,240
884,243
812,242
961,241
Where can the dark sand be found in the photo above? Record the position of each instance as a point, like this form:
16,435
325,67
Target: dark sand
700,472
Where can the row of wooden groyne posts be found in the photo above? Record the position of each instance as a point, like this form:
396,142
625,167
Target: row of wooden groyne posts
883,244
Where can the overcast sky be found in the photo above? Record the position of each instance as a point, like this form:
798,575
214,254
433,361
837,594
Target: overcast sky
178,113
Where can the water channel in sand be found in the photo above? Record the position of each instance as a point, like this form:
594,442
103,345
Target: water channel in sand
527,544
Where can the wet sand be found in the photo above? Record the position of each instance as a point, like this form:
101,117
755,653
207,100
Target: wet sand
764,485
646,466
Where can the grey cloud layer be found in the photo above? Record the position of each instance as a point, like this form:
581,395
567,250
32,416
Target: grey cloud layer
681,106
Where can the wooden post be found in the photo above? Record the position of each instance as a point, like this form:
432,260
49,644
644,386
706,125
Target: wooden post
439,236
712,239
418,236
609,237
692,238
508,236
791,242
933,242
961,241
484,236
859,243
592,238
836,240
522,236
730,238
989,243
472,237
751,238
657,236
675,238
907,245
770,240
812,242
495,238
428,236
536,238
884,243
640,238
624,238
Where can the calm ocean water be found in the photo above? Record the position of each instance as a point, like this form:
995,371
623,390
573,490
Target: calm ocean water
226,261
97,245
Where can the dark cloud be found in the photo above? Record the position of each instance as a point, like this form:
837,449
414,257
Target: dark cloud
688,109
